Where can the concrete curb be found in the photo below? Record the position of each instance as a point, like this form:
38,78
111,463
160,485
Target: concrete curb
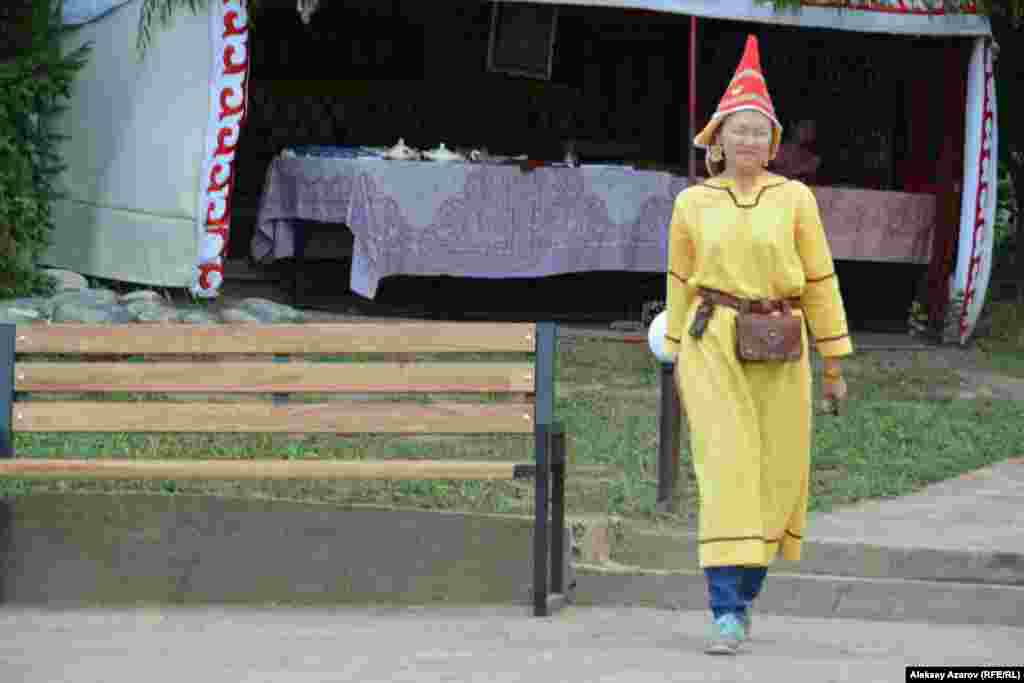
664,550
812,596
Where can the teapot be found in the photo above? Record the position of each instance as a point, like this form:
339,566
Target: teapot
401,152
442,153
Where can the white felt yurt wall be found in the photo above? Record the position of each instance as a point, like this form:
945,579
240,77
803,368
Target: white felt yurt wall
137,128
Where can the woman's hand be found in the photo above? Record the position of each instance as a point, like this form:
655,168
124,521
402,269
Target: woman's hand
833,387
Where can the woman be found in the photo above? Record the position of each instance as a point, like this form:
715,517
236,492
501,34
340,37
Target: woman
746,234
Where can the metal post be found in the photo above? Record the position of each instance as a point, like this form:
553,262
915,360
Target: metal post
544,409
558,511
8,334
668,440
544,373
542,436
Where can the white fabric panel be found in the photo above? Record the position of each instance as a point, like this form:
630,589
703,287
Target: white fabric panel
974,252
123,245
137,129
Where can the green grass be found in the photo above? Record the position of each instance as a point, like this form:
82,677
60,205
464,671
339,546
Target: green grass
1007,362
1005,346
893,438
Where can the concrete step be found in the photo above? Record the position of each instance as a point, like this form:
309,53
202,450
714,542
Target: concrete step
816,596
664,549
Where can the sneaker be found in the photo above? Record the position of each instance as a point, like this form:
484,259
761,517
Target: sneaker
726,635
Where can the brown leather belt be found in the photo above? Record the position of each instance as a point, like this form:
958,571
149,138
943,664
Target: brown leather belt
720,298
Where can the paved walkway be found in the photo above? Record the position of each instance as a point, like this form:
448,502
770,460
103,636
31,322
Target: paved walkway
468,644
981,511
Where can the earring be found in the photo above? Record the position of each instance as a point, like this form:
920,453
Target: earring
715,153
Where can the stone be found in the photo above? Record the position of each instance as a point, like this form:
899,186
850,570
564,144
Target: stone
147,295
85,297
103,306
16,316
238,316
75,312
592,541
152,312
270,312
38,304
67,280
197,316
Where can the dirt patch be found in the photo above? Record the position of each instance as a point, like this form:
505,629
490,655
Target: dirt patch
976,378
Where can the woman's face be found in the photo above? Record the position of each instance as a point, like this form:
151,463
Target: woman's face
746,139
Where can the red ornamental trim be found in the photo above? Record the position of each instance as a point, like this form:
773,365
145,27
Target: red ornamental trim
987,116
901,7
224,149
216,186
204,274
230,28
211,222
226,109
218,193
229,65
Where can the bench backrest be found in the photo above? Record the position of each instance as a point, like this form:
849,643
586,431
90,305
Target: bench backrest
231,371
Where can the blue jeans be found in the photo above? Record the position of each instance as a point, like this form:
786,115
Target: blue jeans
732,589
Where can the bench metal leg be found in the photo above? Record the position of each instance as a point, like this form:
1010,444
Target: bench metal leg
558,514
549,523
540,526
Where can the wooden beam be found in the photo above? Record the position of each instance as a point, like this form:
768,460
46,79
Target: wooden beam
389,337
235,470
341,417
236,378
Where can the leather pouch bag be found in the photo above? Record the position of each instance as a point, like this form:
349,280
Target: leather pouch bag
764,337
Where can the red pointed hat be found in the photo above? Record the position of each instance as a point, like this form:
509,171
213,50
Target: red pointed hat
747,90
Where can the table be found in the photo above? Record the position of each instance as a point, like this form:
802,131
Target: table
497,221
877,225
470,220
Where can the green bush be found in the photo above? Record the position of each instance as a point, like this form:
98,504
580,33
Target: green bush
32,84
1004,238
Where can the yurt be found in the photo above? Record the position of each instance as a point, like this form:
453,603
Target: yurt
197,151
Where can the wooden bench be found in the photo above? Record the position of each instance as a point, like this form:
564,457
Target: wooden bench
528,386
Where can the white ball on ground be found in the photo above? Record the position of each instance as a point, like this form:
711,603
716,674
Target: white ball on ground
656,338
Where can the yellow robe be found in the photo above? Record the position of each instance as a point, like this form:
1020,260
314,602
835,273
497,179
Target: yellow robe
750,423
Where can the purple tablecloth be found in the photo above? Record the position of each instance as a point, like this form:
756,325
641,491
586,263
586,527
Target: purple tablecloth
478,220
471,220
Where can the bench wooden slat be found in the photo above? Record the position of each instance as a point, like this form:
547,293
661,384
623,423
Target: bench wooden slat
391,337
275,377
253,469
341,417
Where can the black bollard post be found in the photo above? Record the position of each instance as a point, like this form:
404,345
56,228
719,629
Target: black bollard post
668,440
